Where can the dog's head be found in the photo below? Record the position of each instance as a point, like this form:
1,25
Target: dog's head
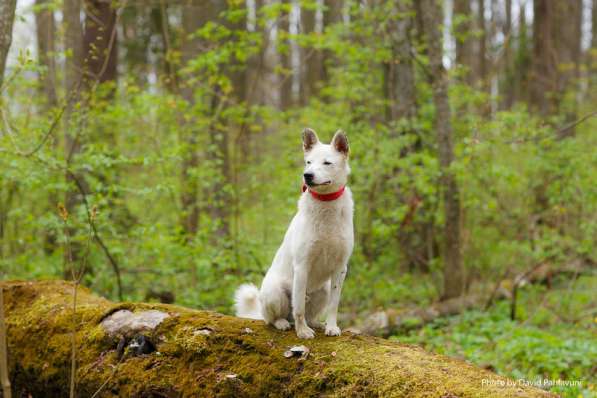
326,166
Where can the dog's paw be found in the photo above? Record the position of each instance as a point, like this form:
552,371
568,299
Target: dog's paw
332,331
305,333
282,324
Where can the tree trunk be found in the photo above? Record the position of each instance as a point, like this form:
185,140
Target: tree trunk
7,17
507,90
452,258
222,205
193,18
311,59
544,67
522,62
399,73
332,15
481,67
593,52
73,45
568,18
464,37
393,321
138,23
142,350
100,42
46,33
556,57
286,95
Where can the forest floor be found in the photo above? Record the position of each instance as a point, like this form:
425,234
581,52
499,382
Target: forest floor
554,339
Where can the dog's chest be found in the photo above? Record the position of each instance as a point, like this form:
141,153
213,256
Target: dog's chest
329,237
325,257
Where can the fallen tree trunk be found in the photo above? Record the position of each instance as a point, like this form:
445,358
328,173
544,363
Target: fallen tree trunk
159,350
387,322
393,321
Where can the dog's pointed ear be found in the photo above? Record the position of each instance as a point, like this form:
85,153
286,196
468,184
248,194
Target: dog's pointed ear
340,142
309,139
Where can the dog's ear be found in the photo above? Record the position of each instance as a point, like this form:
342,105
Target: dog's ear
340,142
309,139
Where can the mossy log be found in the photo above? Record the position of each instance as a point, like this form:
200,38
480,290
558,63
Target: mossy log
159,350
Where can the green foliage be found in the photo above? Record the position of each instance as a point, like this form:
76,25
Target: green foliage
527,197
542,345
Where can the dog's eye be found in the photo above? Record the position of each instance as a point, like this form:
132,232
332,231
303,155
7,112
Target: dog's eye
327,163
308,162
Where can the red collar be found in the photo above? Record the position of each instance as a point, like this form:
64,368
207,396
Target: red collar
325,197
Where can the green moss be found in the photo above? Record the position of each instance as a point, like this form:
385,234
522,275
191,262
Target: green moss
202,353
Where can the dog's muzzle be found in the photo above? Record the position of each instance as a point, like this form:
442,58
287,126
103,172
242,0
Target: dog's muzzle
309,178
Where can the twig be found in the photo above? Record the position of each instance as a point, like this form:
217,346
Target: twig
73,357
96,236
576,123
95,394
76,276
515,286
495,289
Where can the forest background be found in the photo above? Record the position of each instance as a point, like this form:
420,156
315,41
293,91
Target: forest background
155,145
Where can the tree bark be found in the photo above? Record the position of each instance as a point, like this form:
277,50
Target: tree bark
7,17
141,350
332,15
556,57
568,17
399,73
311,59
507,88
544,67
522,62
398,320
452,258
464,37
286,78
193,18
100,42
73,45
46,34
481,70
593,51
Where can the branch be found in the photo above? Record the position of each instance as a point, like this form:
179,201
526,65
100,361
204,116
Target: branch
96,236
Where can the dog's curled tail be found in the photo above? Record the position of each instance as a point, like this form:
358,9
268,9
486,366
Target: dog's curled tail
246,301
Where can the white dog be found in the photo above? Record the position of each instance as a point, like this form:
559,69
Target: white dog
309,268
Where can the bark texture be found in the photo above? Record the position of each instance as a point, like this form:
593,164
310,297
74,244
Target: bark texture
193,18
159,350
46,33
556,56
99,41
399,74
311,58
452,257
7,17
464,37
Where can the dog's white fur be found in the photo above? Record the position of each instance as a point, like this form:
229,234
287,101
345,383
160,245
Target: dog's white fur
308,270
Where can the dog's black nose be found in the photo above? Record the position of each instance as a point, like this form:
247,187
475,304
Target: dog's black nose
309,177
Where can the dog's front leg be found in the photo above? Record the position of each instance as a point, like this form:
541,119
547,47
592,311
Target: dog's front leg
299,292
331,322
